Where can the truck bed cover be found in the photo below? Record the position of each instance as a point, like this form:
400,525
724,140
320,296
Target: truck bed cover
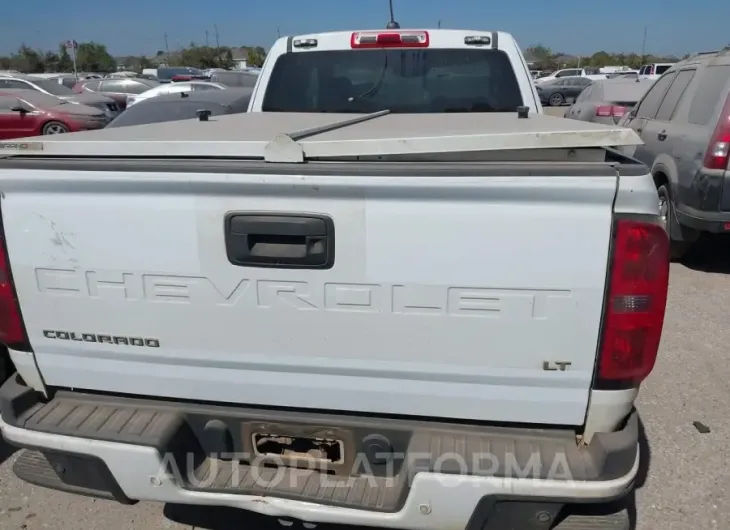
295,137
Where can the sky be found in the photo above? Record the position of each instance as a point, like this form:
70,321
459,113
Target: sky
137,27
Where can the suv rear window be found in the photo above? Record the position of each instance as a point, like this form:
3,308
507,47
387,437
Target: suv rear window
411,81
710,90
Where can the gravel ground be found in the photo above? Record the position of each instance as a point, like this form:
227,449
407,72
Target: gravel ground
685,483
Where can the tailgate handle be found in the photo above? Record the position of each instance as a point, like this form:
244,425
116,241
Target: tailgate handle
286,241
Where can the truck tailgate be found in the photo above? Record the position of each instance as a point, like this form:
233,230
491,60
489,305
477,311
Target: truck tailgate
474,297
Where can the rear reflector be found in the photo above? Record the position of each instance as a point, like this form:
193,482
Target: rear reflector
718,151
635,303
616,111
389,39
12,332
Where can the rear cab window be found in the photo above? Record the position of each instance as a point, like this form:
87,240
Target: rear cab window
433,80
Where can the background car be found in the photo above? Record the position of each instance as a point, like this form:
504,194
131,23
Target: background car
245,78
184,106
626,74
68,81
26,113
117,89
172,88
654,71
120,75
561,91
684,123
607,101
184,77
166,73
149,77
590,73
52,87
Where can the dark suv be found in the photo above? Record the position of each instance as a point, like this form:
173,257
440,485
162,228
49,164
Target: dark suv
684,121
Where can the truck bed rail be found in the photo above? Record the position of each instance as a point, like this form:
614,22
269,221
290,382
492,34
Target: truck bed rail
298,137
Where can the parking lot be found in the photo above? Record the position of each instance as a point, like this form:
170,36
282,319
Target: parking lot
684,483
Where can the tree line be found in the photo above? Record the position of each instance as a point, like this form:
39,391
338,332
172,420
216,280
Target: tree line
547,59
90,57
94,57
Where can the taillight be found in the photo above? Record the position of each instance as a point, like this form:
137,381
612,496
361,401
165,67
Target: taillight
617,111
718,151
12,332
389,39
634,305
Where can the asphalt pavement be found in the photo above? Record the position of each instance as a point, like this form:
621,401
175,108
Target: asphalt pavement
684,483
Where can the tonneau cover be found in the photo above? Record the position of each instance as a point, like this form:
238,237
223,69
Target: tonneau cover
295,137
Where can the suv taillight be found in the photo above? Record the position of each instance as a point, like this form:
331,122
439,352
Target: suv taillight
617,111
12,331
635,302
718,151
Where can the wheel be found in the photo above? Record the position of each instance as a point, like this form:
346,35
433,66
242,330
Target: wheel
677,249
556,100
54,127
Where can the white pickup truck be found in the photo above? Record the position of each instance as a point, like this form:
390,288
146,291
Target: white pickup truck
400,320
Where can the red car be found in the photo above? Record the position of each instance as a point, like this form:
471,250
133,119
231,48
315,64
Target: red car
26,113
182,77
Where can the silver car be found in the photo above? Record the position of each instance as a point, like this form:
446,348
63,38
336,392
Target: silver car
53,88
607,101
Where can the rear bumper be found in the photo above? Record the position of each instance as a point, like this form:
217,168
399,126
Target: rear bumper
705,221
135,449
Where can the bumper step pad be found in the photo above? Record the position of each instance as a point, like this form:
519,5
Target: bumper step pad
82,475
182,430
363,492
615,521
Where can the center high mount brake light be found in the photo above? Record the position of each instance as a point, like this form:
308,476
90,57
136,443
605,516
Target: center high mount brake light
389,39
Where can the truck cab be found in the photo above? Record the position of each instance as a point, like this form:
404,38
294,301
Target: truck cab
401,70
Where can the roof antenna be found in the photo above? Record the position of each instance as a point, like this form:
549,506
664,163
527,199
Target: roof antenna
392,24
